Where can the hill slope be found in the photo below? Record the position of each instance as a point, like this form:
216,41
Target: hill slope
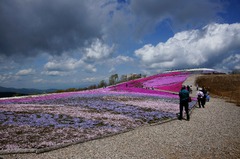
227,86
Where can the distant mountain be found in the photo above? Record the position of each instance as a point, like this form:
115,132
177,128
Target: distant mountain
24,91
10,94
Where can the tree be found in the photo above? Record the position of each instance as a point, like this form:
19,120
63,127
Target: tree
113,79
70,90
92,87
102,83
123,78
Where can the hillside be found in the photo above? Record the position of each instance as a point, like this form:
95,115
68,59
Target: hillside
212,132
49,120
224,86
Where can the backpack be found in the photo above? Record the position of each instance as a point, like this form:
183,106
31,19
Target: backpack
199,95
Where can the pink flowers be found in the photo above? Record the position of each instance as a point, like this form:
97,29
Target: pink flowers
168,81
89,114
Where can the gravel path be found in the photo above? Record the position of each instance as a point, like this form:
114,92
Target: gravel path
212,132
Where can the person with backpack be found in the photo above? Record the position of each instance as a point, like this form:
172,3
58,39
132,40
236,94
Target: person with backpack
200,99
184,97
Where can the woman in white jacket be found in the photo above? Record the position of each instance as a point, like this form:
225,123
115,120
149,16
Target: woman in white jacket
200,98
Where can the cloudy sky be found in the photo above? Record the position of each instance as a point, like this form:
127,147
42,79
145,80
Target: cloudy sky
74,43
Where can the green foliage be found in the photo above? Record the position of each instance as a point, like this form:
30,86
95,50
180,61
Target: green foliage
92,87
123,78
113,79
71,90
102,83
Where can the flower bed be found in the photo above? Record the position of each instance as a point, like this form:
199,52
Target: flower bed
168,81
54,119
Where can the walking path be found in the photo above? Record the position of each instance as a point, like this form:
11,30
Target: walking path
212,132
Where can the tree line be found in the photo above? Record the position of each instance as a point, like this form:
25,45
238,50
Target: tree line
113,80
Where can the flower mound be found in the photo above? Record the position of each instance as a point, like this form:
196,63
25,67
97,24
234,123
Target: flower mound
53,119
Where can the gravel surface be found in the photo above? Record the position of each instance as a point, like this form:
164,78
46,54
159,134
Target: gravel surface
212,132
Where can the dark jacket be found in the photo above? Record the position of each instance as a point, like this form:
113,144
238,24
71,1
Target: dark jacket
184,95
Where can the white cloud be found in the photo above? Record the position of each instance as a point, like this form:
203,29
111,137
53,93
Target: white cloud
4,78
93,54
112,70
123,59
8,78
120,59
97,51
89,79
39,81
65,66
25,72
195,48
232,62
54,73
89,68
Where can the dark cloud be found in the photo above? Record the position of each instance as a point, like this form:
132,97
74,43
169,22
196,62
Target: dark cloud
182,13
53,26
135,19
56,26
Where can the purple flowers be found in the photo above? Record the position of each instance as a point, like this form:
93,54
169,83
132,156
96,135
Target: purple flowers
91,114
49,120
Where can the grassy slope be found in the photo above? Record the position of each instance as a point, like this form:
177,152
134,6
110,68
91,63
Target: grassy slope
227,86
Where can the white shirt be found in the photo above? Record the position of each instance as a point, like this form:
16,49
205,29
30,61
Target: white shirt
200,93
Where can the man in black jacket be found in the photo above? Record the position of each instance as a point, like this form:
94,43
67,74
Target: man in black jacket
184,96
204,96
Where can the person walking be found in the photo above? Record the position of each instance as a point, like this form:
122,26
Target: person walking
200,98
184,96
208,97
188,88
204,96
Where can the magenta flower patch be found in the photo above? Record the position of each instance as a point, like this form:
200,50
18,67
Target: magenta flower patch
53,119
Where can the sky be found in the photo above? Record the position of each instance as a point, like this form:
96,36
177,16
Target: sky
75,43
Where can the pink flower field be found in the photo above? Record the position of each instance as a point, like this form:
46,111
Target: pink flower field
36,122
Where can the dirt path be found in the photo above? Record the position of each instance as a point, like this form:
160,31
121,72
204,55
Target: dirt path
212,132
